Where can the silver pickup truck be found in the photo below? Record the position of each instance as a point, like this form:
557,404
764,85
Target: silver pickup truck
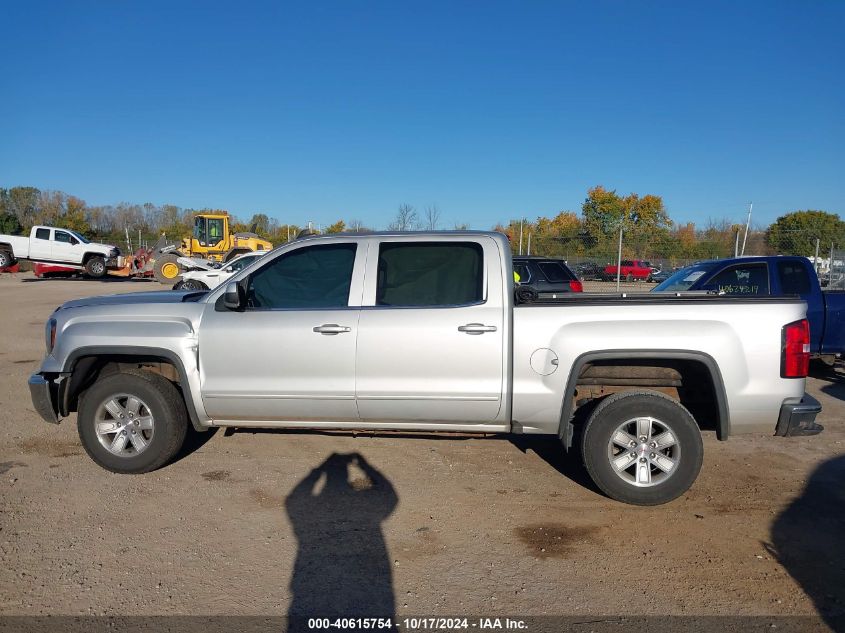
419,332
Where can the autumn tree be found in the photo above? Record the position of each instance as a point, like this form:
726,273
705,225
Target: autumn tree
337,227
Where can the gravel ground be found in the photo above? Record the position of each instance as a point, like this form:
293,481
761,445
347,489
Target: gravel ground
402,524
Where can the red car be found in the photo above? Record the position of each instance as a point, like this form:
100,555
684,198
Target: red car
632,270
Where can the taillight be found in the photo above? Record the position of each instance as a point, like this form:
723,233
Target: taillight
576,286
795,350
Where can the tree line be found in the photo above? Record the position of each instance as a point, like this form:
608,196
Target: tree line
648,231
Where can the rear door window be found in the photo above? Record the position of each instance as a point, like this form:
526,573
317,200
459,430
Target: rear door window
42,234
743,279
429,274
312,277
554,272
794,279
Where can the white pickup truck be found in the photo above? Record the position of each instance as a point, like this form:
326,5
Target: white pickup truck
59,246
419,332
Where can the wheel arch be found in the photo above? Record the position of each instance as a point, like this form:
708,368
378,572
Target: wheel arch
90,255
85,364
704,360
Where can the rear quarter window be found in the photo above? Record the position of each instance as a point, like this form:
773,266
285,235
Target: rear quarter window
555,272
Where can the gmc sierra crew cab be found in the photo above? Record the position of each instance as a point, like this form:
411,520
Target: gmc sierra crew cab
420,332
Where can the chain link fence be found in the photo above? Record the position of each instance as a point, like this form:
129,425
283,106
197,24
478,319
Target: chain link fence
595,262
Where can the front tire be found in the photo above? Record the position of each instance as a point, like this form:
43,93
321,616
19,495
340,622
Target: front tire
642,448
132,422
95,267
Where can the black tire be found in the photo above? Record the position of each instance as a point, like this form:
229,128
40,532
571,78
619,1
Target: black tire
165,265
192,284
6,258
597,447
165,405
95,267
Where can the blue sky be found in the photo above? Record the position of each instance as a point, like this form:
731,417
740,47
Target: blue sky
490,110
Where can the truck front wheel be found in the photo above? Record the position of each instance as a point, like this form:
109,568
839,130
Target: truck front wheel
132,422
642,448
95,267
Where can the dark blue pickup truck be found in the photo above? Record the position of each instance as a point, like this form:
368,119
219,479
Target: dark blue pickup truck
776,275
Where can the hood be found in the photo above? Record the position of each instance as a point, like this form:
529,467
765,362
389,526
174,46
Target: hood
135,298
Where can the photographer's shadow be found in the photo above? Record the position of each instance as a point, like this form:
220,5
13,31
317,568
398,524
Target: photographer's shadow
342,565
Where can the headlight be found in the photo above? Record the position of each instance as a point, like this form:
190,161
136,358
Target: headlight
50,335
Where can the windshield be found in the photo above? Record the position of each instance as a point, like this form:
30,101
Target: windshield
684,278
79,237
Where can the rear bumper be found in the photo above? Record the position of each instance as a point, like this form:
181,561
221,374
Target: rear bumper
45,397
799,418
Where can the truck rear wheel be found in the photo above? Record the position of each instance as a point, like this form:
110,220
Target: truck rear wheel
642,448
6,258
95,267
132,422
167,269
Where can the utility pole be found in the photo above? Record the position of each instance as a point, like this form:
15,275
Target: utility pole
529,243
747,224
816,258
619,260
520,236
736,244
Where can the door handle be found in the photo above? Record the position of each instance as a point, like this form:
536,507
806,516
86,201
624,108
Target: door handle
332,328
476,328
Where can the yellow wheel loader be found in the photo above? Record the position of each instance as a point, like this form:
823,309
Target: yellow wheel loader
211,239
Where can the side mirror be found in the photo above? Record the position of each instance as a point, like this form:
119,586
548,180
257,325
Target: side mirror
233,298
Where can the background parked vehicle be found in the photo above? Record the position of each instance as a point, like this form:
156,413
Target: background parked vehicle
68,248
632,270
212,275
772,276
548,277
589,271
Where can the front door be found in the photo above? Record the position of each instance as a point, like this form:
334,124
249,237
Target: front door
290,354
64,249
431,340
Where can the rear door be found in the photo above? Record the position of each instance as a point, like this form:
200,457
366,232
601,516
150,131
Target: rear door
40,245
290,355
432,332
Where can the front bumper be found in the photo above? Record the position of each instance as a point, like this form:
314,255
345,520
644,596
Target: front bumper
799,418
45,397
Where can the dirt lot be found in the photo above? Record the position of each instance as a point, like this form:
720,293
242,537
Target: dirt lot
421,525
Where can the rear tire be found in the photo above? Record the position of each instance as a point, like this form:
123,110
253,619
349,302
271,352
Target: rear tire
640,471
95,267
132,422
6,259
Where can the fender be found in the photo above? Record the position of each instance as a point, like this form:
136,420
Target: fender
723,423
130,351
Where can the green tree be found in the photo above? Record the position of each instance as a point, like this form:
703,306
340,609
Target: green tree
9,224
796,233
